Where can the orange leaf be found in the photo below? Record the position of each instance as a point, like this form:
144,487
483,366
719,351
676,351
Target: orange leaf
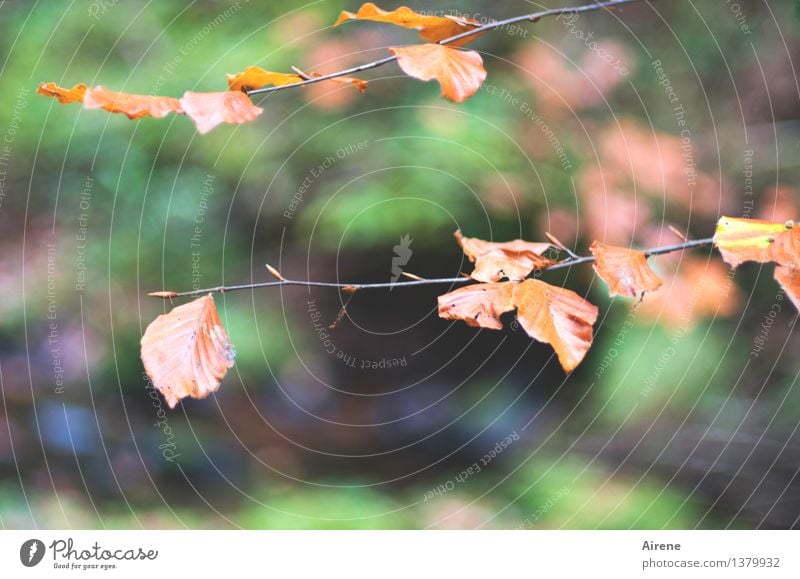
512,259
431,28
624,270
255,77
209,109
741,240
459,72
187,351
789,278
478,305
64,95
547,313
134,106
556,316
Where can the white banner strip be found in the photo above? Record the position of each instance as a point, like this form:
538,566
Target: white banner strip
390,554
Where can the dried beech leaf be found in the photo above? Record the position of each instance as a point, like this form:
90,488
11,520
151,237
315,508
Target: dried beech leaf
547,313
255,77
134,106
511,259
209,109
187,351
431,28
789,278
459,72
741,240
64,95
624,270
556,316
478,305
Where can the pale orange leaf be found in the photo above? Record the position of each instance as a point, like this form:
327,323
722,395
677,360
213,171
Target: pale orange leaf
209,109
556,316
478,305
624,270
186,352
460,73
430,27
547,313
511,259
134,106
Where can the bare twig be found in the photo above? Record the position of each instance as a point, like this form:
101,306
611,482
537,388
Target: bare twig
555,241
352,287
534,17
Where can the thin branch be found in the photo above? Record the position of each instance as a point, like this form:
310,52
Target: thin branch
534,17
352,287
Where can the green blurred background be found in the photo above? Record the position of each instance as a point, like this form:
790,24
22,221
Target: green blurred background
608,126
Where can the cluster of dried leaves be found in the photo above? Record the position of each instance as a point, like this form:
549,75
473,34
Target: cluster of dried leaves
187,351
459,72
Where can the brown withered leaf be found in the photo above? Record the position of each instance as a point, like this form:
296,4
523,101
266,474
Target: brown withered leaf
186,352
254,77
478,305
624,270
209,109
740,240
431,28
547,313
460,73
511,259
64,95
134,106
789,278
556,316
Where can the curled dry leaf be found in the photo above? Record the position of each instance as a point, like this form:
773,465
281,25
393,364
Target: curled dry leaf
478,305
547,313
431,28
789,278
209,109
624,270
511,259
459,72
556,316
254,77
187,351
740,240
64,95
134,106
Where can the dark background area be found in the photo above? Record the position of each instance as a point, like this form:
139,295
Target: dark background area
683,415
